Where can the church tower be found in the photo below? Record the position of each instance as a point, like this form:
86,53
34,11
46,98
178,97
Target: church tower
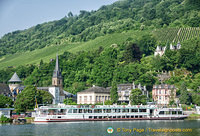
14,83
57,77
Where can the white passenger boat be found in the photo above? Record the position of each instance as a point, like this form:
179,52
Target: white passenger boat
67,113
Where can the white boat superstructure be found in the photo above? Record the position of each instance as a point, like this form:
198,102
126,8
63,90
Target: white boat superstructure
64,113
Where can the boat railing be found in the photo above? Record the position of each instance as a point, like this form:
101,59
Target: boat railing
96,106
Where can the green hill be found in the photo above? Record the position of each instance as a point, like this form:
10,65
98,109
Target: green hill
47,53
120,16
132,27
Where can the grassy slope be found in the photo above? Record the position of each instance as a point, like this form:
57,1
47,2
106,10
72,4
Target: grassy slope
47,53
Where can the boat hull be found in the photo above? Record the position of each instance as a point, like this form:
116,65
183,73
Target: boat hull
111,119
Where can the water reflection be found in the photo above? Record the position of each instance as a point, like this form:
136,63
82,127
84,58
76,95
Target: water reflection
100,128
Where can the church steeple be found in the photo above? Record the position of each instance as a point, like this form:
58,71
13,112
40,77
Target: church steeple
57,76
57,71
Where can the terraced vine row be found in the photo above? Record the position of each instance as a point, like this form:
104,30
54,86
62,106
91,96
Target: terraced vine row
173,35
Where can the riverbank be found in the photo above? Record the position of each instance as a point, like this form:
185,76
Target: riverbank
193,116
29,119
23,120
4,119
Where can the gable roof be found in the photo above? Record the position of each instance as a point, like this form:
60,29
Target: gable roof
96,89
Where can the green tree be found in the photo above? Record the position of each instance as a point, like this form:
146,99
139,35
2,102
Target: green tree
171,98
196,98
69,101
113,93
5,101
184,96
26,100
147,44
136,97
108,102
44,97
70,14
132,53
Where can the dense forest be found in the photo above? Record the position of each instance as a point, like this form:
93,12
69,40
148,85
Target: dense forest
121,16
129,61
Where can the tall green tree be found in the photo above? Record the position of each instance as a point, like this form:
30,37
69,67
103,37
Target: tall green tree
136,97
147,44
5,101
132,53
196,98
184,96
113,93
26,100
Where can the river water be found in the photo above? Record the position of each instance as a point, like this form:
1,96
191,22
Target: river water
125,128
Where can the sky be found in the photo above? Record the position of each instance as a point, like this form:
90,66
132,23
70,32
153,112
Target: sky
23,14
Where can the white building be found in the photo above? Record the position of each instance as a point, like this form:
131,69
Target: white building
198,109
124,91
176,47
55,92
6,112
93,95
161,50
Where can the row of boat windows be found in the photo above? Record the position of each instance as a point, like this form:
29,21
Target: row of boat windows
112,117
105,117
170,112
105,110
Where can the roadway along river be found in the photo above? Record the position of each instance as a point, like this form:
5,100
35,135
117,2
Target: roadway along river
133,128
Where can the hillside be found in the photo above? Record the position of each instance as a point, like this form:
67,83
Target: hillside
47,53
113,44
174,35
119,17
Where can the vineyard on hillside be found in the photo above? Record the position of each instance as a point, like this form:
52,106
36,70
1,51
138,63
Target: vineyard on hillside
173,35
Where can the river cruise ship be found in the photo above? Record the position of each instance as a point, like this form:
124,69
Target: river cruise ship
67,113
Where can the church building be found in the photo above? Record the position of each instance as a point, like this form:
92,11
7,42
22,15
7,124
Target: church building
56,89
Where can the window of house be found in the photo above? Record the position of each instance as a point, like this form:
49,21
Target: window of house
85,99
80,98
96,98
160,97
160,92
99,98
105,98
90,99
